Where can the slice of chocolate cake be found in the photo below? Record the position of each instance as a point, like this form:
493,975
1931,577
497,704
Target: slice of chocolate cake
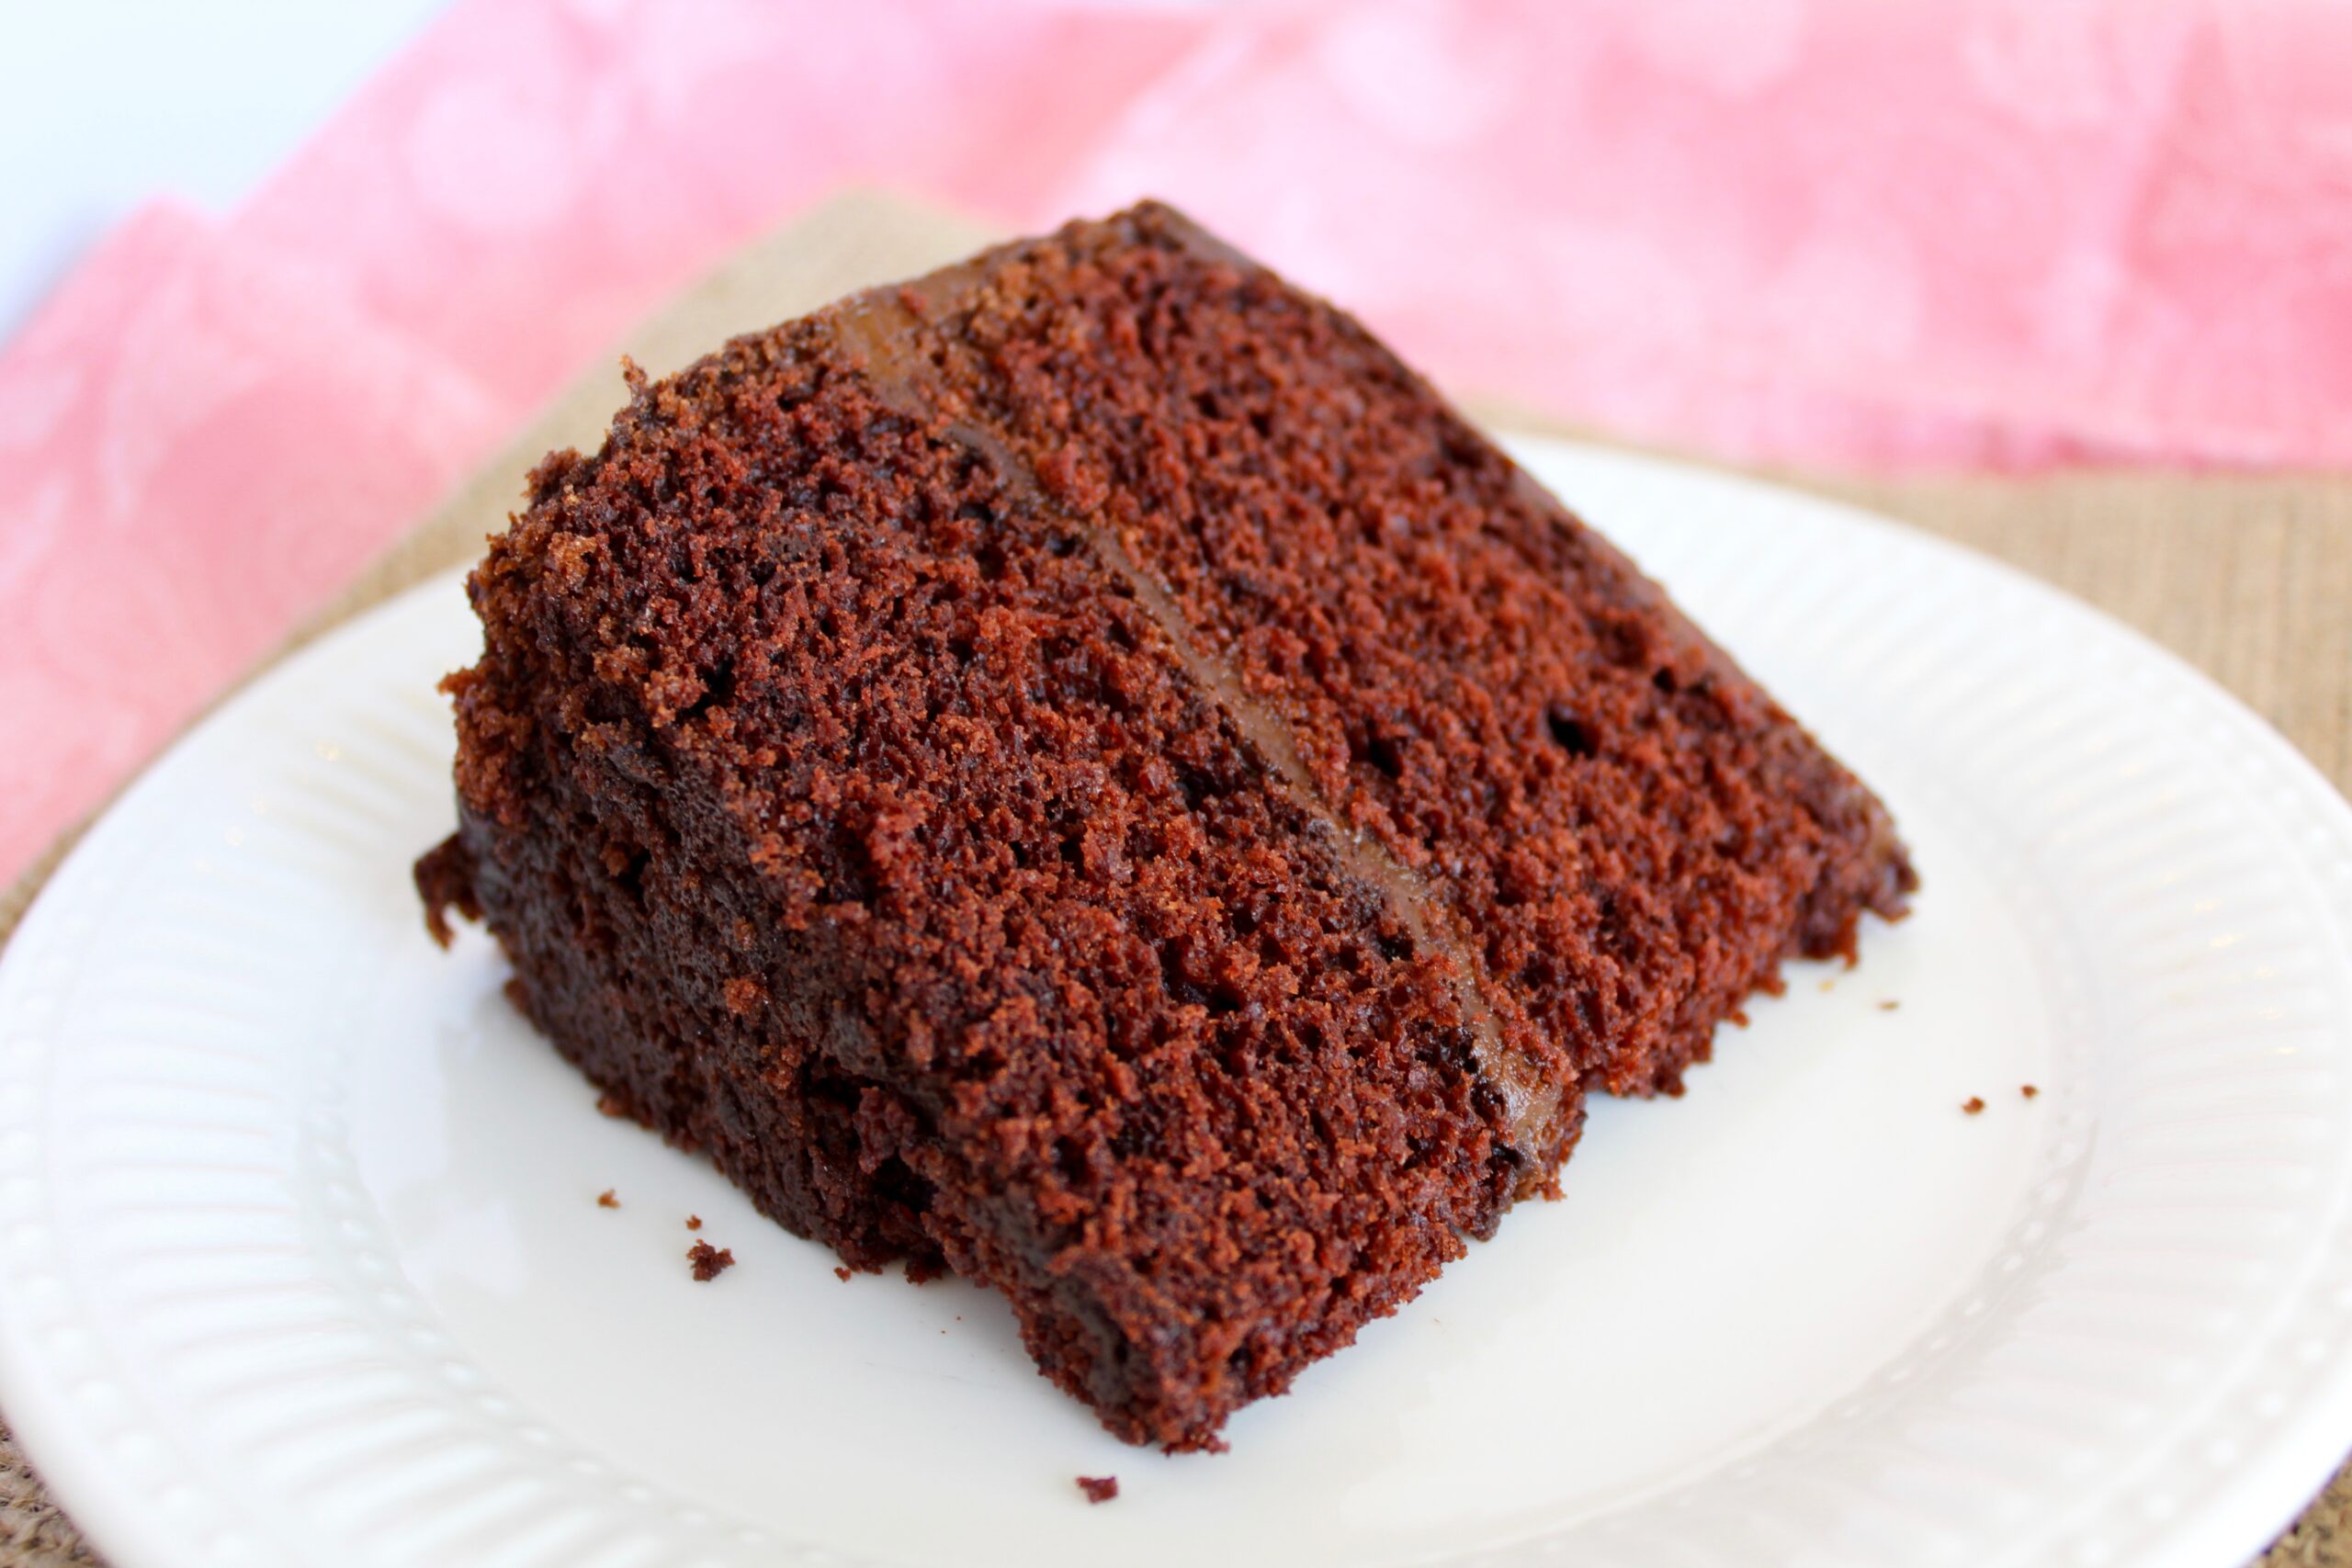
1081,770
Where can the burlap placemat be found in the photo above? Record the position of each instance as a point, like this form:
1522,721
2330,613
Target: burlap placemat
2249,579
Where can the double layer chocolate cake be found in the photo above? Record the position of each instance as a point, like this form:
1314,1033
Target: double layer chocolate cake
1082,770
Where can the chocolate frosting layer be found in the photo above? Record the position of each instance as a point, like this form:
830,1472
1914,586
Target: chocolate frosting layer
884,330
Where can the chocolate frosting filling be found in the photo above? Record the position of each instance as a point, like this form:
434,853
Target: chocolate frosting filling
882,330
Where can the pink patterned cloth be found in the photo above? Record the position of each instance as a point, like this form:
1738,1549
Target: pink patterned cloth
1996,234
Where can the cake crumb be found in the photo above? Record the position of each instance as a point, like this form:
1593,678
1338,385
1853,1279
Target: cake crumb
1099,1488
709,1261
606,1200
610,1105
1973,1104
1889,1005
841,1272
2028,1090
694,1221
1829,985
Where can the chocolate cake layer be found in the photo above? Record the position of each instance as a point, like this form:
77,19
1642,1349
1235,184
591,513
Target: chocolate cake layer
1082,770
1477,682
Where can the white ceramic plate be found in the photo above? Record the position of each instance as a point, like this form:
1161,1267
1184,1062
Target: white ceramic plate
301,1261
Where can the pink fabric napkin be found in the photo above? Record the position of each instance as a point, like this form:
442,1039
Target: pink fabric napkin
1998,232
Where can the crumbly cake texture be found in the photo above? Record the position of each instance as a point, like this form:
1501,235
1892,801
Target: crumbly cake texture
1081,770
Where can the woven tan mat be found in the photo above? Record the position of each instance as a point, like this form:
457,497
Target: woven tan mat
2249,579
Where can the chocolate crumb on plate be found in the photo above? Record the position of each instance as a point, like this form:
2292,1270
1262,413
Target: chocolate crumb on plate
1889,1005
2028,1090
694,1221
606,1200
709,1261
1973,1104
1099,1488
